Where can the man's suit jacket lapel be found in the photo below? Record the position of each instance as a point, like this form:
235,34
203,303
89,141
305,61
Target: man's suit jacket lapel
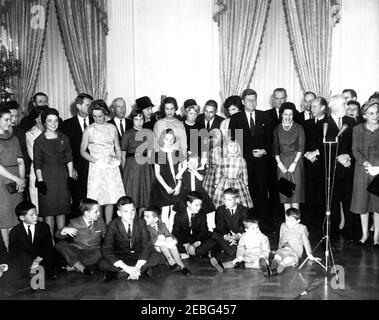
259,119
37,235
77,128
245,121
186,222
82,222
25,238
334,125
122,230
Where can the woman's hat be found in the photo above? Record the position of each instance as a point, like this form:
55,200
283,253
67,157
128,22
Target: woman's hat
144,103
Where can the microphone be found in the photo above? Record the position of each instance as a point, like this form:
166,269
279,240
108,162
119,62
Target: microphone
343,129
326,127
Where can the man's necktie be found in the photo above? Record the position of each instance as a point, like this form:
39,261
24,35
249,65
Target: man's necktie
232,212
129,230
90,224
30,235
122,128
310,115
208,126
340,123
252,123
84,124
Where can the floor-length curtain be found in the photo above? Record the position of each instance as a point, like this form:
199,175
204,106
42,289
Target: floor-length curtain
242,27
310,29
26,22
54,77
83,28
275,67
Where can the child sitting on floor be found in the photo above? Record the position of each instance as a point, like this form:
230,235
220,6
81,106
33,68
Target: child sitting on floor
164,241
252,246
292,241
87,232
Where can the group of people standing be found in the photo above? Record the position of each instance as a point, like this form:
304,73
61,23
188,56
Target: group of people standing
158,158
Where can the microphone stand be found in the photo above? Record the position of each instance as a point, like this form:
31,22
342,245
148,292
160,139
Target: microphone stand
329,188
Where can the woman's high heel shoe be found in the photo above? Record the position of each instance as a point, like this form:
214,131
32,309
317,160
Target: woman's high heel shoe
363,244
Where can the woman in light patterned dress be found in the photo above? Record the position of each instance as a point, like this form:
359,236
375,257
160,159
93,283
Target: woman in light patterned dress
104,177
232,173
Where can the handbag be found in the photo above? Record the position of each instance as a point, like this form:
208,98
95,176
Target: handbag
373,187
287,187
11,187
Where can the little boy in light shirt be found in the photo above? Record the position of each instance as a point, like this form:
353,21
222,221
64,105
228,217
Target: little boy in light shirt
252,246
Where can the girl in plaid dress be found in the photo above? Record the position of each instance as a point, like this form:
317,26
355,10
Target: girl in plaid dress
215,152
232,173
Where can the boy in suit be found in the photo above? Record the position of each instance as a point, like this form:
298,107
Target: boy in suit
191,228
127,249
164,241
31,246
87,233
229,225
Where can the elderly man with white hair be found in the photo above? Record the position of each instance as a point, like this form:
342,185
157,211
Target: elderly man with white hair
120,117
340,128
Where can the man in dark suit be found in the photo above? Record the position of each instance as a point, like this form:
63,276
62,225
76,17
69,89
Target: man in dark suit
191,229
87,233
118,109
127,249
301,117
344,173
253,127
31,246
38,103
73,128
145,104
229,223
278,98
314,206
209,119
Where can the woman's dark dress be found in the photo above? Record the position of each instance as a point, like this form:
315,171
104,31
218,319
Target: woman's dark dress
137,177
52,156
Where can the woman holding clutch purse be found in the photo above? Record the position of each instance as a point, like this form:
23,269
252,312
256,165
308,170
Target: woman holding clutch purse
104,156
366,152
52,159
12,175
289,142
